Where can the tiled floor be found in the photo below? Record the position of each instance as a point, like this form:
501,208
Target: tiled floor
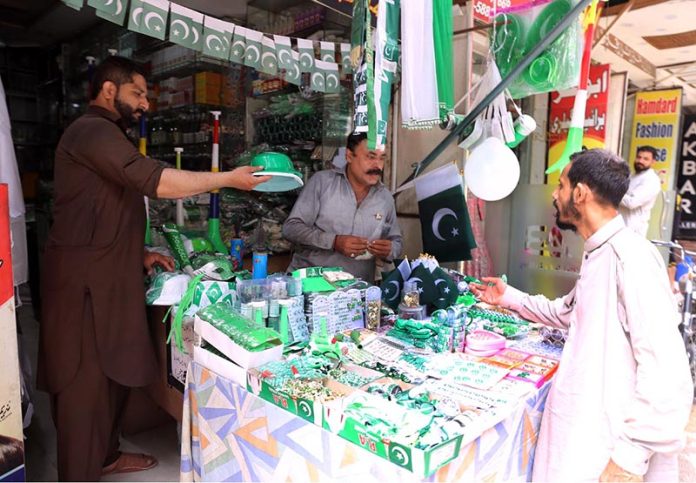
162,442
40,444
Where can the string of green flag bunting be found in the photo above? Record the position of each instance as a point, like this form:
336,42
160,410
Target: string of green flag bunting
224,40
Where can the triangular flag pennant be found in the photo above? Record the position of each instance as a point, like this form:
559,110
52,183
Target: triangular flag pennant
135,15
327,51
119,16
447,288
269,61
345,59
186,27
333,84
252,56
293,75
238,48
426,285
444,217
74,4
154,18
306,50
318,77
393,283
106,6
217,37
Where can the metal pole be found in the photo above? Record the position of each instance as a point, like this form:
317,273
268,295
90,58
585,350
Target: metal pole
572,16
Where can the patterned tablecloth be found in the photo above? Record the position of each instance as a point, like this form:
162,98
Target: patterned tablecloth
228,434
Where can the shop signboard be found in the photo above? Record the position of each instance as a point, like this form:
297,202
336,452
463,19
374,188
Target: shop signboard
560,110
656,123
11,432
485,10
686,181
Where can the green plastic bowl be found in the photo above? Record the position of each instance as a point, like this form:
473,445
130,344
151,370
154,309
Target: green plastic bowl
280,168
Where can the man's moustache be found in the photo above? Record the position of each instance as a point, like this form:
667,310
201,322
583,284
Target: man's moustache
375,171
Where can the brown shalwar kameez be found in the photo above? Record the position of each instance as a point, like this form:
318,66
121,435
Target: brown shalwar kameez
94,336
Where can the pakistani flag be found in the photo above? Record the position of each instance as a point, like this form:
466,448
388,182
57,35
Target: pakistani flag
332,78
386,63
269,61
119,16
217,37
106,6
444,217
252,56
283,53
74,4
293,75
327,51
238,48
345,59
306,50
393,282
135,15
447,289
426,285
154,18
186,27
318,77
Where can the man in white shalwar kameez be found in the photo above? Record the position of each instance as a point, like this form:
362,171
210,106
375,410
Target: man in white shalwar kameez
622,395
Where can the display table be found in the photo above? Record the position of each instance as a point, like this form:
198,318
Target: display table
228,434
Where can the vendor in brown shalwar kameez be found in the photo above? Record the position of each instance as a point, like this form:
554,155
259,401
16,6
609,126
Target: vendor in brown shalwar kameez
95,342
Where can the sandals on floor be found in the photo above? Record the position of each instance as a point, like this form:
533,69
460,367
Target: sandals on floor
130,463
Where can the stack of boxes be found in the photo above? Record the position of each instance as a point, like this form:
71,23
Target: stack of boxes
208,88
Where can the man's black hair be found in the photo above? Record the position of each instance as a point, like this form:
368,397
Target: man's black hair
647,149
606,174
354,139
118,70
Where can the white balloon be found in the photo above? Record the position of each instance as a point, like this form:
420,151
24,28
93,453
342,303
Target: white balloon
492,171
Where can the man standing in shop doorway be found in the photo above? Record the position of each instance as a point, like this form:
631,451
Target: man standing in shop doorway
621,398
95,342
345,216
644,187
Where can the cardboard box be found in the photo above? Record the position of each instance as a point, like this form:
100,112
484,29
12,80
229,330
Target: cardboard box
207,79
220,365
309,410
232,350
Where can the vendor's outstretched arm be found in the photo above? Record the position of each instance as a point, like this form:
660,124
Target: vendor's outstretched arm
537,308
300,226
176,183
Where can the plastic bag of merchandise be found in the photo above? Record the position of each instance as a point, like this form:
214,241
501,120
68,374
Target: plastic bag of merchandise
244,332
167,288
517,32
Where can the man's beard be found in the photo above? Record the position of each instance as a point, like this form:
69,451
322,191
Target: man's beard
570,209
639,168
127,112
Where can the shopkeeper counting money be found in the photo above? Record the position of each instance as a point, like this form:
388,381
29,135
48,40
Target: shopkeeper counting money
345,217
95,343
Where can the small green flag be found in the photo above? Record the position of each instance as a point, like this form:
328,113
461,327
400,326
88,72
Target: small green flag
135,15
318,77
269,61
252,56
306,50
333,84
345,59
107,6
238,47
426,284
74,4
154,18
119,17
186,27
393,283
217,37
293,75
327,51
447,288
445,223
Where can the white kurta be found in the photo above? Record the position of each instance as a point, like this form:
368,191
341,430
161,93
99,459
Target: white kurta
637,204
623,389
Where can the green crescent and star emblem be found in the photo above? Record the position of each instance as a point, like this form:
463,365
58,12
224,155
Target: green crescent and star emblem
216,35
269,61
238,48
153,19
252,55
119,15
